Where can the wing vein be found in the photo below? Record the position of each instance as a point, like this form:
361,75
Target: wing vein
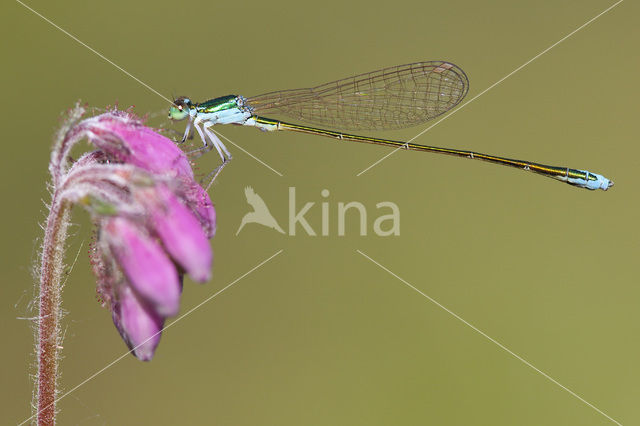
389,98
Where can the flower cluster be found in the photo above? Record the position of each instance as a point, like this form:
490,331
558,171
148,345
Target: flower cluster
154,221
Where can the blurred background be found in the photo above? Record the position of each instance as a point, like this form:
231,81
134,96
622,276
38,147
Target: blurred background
320,334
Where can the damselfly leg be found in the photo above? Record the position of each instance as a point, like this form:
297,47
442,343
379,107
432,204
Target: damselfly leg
187,131
210,140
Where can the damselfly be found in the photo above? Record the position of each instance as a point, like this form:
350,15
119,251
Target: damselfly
390,98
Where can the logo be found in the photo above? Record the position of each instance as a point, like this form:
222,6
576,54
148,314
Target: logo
260,213
384,225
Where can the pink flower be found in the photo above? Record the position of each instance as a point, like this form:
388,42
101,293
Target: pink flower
139,326
154,220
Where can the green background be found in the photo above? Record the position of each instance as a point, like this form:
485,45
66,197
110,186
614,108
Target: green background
320,335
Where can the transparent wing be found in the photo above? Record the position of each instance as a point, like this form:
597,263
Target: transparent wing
390,98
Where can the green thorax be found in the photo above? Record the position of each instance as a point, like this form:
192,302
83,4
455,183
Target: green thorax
218,104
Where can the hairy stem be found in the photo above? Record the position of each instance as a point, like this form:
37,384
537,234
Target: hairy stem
49,336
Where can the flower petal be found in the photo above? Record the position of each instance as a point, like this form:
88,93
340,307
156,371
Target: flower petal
123,137
147,267
139,325
180,231
199,201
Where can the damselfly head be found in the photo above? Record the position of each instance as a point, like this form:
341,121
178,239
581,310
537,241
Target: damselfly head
180,108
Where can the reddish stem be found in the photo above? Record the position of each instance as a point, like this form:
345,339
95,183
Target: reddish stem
49,337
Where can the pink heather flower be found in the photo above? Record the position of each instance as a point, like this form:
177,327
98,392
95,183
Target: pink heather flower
153,220
179,230
139,325
146,266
